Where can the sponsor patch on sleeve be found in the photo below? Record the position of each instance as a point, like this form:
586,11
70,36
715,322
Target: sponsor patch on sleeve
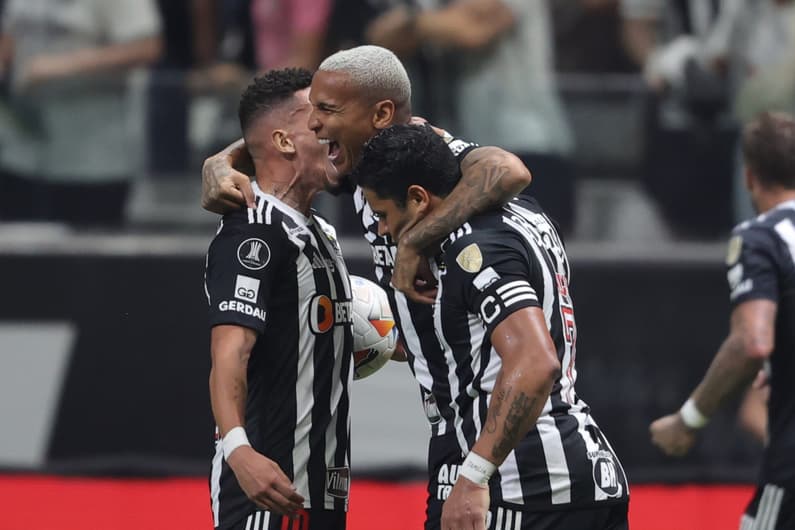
246,288
253,253
486,277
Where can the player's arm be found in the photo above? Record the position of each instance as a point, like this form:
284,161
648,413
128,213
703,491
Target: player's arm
530,367
490,177
464,24
260,478
226,185
734,367
753,280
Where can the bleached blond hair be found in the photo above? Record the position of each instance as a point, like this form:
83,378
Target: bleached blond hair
374,69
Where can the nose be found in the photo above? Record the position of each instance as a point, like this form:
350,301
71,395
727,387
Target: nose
383,229
314,123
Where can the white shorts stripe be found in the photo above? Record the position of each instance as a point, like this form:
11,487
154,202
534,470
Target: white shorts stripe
769,507
249,520
498,525
517,522
215,481
746,522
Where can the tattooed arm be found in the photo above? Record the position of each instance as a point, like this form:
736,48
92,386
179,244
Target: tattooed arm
226,185
490,177
529,369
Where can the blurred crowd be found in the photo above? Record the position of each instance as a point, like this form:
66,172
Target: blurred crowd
96,93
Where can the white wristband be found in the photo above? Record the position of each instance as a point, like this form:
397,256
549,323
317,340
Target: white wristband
691,416
234,439
477,469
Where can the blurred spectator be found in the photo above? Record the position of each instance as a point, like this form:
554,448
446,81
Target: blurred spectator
755,42
384,22
190,42
587,36
69,156
690,135
290,32
504,86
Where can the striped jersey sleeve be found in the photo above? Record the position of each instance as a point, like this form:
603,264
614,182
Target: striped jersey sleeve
490,274
753,264
243,264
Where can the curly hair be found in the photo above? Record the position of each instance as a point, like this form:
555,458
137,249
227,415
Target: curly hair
403,155
269,91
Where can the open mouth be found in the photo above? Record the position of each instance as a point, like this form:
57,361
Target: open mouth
333,149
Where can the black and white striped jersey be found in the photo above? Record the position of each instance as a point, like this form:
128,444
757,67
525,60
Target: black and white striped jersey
274,270
492,266
414,321
761,265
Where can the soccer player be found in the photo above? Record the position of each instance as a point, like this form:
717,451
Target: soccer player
281,339
761,275
534,456
356,93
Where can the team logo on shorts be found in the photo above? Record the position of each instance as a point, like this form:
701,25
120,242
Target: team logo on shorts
253,254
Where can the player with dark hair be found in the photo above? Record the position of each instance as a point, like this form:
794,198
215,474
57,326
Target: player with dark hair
761,275
355,94
530,454
281,339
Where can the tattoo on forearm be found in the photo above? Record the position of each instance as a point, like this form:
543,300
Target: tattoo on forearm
487,190
473,195
515,421
497,402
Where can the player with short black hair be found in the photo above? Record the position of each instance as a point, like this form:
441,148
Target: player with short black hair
530,455
281,339
761,277
391,153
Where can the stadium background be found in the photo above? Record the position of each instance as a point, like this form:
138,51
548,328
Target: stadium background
104,407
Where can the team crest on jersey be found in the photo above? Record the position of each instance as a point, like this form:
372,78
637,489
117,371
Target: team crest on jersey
734,250
254,254
470,259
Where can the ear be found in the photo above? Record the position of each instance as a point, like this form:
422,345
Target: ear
384,114
418,198
282,142
750,178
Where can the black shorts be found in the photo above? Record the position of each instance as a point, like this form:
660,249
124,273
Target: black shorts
311,519
444,457
610,517
772,508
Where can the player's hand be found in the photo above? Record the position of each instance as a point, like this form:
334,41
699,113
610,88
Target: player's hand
400,355
224,189
467,506
671,435
263,481
412,275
